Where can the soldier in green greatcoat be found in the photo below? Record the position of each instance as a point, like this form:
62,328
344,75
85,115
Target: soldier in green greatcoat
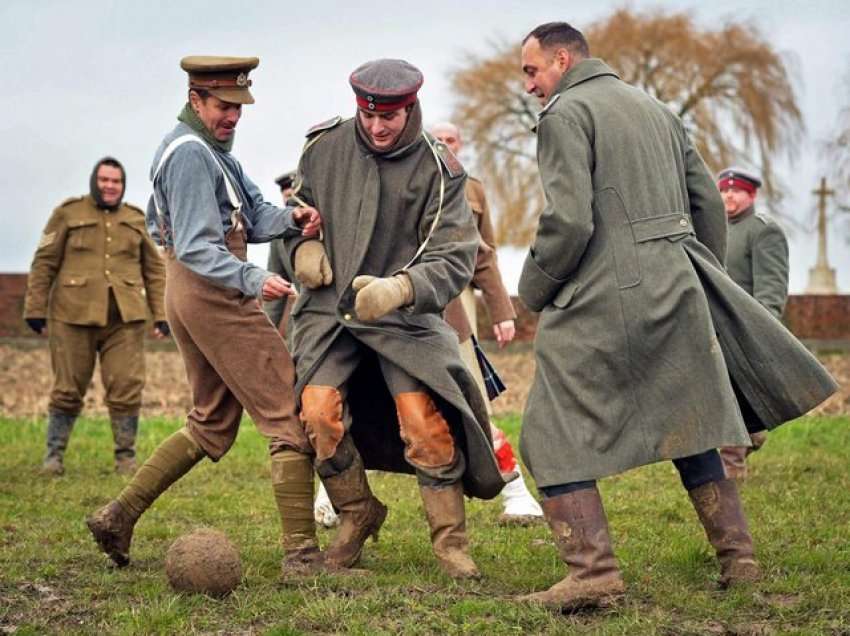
756,259
645,349
95,277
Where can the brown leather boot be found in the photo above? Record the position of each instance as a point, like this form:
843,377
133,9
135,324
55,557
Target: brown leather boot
361,514
447,518
719,509
578,523
734,460
112,525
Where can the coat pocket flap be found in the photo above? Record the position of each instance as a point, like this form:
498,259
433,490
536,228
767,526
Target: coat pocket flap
670,226
134,282
565,296
75,223
74,281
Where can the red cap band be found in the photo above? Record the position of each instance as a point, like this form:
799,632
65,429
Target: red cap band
735,182
384,107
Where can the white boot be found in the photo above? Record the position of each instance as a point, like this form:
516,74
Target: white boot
323,510
521,508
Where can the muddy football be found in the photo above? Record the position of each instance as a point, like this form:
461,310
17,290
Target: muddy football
203,561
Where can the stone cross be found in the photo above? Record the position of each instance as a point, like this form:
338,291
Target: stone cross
822,276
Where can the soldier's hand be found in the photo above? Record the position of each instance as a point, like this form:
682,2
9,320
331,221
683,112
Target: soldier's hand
308,219
312,267
275,287
38,325
504,332
161,329
376,297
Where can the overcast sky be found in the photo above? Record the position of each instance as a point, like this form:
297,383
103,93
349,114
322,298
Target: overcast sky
82,79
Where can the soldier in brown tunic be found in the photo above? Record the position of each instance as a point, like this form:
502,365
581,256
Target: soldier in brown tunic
204,210
520,506
95,276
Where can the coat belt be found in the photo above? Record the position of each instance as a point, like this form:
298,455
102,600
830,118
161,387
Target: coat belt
663,226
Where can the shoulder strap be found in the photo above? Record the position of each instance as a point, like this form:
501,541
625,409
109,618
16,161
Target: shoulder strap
231,191
439,205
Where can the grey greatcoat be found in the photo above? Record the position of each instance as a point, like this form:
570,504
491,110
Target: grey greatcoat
626,270
757,259
376,211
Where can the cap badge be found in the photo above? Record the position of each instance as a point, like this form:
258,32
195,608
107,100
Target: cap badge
242,80
371,106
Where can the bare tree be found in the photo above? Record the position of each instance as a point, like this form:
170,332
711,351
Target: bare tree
730,87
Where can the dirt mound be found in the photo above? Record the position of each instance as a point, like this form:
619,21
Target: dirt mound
203,562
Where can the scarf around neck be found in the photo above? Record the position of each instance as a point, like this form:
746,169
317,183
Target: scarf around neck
191,119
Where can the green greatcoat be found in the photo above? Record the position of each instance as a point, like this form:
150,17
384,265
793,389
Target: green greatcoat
757,259
626,272
376,212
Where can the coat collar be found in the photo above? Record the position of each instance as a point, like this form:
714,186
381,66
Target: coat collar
583,71
744,214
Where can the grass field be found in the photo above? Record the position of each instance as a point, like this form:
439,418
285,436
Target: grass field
53,580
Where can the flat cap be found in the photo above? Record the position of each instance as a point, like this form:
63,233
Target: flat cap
385,85
734,177
286,180
223,77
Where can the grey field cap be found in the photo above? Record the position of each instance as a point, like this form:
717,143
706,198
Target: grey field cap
385,84
733,172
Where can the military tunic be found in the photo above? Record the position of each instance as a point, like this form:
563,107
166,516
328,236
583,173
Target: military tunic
95,276
757,259
376,214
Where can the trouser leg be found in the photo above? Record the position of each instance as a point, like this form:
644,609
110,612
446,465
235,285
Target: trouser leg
72,357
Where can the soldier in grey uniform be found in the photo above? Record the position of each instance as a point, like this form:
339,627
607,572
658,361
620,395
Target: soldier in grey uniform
279,308
756,259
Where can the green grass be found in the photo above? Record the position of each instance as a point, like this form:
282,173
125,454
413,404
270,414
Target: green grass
53,580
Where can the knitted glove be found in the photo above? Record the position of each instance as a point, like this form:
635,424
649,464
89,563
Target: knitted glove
376,297
312,267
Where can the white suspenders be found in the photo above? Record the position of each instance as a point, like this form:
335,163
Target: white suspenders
235,217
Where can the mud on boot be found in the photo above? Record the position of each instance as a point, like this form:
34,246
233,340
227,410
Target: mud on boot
112,529
446,514
580,528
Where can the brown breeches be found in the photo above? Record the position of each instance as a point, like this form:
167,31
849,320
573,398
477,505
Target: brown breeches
73,350
234,358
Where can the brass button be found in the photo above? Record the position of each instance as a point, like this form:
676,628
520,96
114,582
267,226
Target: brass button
107,272
683,222
107,256
108,238
107,224
347,316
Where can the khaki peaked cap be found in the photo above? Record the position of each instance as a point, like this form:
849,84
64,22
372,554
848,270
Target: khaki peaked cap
222,77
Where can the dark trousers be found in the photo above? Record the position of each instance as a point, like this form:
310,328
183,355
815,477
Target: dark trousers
694,471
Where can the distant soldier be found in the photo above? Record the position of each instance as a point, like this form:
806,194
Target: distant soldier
204,210
95,275
279,308
756,259
461,313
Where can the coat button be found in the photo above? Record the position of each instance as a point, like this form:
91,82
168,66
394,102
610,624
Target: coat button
347,316
106,272
108,238
107,256
683,222
108,224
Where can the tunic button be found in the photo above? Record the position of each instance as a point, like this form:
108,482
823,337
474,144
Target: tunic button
107,224
106,272
108,238
683,222
347,316
107,256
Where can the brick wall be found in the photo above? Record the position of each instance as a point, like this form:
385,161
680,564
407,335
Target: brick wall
810,318
12,290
